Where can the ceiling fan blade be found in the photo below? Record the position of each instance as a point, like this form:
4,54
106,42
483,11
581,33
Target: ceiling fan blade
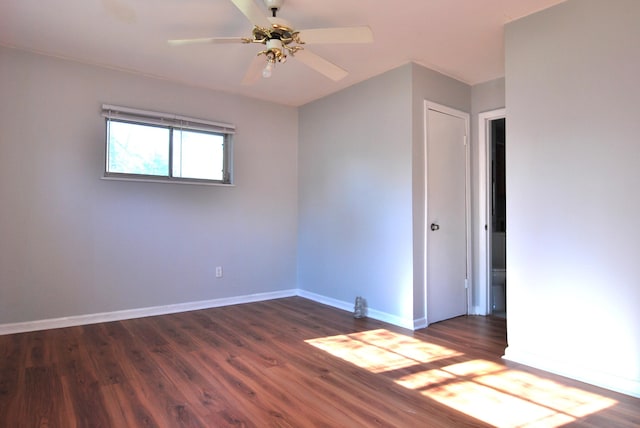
214,40
337,35
253,13
120,10
320,65
254,72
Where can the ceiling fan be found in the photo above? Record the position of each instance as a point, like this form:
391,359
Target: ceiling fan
282,40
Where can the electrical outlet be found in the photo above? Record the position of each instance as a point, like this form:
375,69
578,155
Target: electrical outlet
219,272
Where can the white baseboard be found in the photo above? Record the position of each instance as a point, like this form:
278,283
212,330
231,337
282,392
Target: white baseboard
420,323
22,327
348,306
571,370
329,301
477,310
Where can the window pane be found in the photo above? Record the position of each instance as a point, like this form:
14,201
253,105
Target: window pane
198,155
138,149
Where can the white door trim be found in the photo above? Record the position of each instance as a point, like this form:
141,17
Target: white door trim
429,105
484,206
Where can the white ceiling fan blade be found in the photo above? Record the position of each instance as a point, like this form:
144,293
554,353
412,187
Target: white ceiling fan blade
203,40
253,13
337,35
254,72
120,10
321,65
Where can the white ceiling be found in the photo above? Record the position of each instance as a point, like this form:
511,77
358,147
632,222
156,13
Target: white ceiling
460,38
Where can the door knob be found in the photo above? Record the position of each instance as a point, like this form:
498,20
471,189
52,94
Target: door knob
435,226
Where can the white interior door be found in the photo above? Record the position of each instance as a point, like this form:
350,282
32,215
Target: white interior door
446,226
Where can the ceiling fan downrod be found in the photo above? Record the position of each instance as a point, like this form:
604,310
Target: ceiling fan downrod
274,6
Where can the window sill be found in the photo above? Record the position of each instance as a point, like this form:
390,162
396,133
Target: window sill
167,181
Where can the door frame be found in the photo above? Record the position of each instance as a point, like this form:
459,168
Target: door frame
484,208
429,105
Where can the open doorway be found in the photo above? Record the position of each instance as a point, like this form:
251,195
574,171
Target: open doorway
492,233
498,204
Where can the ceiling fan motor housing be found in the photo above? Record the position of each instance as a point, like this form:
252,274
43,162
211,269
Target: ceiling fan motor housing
273,4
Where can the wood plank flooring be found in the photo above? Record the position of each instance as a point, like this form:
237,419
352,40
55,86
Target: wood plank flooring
286,363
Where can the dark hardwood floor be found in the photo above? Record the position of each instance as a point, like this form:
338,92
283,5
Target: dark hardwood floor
286,363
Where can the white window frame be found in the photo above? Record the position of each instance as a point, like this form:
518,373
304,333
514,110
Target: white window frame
171,122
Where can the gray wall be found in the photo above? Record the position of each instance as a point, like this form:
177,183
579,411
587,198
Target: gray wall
361,184
355,226
74,244
572,191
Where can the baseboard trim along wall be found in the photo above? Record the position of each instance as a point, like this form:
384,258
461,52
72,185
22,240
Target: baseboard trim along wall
477,310
575,371
46,324
349,306
420,323
22,327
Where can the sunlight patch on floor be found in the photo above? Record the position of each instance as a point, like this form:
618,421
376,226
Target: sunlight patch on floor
572,401
495,407
381,350
474,367
485,390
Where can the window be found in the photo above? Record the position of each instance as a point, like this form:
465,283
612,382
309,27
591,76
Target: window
148,145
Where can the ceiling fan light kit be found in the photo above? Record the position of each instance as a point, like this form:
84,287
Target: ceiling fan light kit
278,40
281,39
